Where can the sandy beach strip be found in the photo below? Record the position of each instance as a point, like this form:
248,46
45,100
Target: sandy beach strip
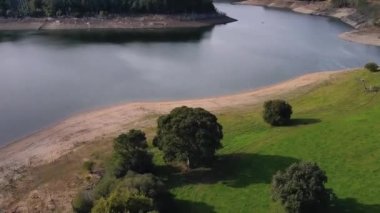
368,36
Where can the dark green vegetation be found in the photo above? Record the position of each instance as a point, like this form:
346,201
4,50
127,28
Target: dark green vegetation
83,202
130,153
188,135
122,188
134,193
301,189
373,67
277,112
41,8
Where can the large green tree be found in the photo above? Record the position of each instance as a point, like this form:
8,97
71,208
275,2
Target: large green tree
301,188
188,135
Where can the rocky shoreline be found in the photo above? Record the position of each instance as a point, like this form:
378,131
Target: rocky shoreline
364,32
119,22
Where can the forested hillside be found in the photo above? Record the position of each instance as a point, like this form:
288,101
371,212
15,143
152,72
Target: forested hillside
77,8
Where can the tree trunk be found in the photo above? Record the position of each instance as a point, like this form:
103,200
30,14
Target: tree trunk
188,163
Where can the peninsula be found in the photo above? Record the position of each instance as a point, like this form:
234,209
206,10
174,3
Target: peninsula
362,15
126,14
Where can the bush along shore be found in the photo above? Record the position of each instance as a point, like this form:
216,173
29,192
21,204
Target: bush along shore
107,14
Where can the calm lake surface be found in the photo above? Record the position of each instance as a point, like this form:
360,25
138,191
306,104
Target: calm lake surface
47,77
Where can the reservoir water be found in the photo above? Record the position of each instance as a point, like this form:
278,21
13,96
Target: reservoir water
45,77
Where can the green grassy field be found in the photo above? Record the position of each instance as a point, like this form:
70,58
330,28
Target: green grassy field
336,125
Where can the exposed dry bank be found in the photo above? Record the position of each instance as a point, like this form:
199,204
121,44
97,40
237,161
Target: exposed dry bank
126,22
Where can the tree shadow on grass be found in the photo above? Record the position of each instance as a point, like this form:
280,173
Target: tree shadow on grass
186,206
233,170
351,205
303,121
168,203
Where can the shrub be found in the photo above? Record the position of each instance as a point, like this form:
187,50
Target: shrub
145,184
130,153
83,202
277,112
373,67
134,193
149,186
301,188
105,186
188,135
123,201
88,166
100,206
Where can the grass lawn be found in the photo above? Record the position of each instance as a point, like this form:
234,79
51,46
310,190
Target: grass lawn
336,125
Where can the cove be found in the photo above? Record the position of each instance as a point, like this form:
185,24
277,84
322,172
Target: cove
47,76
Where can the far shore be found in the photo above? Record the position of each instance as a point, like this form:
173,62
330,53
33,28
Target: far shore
118,22
362,32
51,143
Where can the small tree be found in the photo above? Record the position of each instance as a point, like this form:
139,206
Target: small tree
277,112
188,135
130,153
301,188
373,67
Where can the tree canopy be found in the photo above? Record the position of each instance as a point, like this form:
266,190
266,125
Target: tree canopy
188,135
130,153
39,8
277,112
301,188
134,193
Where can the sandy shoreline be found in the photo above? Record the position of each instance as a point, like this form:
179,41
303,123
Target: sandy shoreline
51,143
127,22
362,33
